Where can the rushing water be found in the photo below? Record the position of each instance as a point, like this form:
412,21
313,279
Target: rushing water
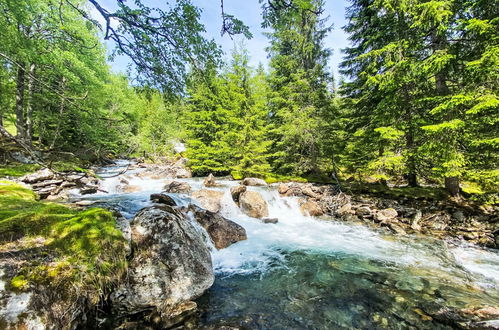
305,273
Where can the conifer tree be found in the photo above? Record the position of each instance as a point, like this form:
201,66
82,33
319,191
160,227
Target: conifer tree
300,99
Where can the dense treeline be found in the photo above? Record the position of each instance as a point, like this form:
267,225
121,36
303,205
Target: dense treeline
418,104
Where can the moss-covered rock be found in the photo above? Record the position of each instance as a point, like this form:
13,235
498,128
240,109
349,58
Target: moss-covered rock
56,262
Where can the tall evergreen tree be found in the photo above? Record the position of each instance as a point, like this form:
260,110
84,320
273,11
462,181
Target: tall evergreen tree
300,100
226,119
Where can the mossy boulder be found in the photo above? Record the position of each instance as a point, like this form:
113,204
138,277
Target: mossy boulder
56,263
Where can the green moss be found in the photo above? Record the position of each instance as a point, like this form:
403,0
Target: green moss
84,247
19,283
17,170
68,166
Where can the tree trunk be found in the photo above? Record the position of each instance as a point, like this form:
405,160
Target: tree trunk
452,185
442,88
61,113
29,104
19,107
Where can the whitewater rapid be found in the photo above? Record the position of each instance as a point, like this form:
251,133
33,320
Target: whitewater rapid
268,244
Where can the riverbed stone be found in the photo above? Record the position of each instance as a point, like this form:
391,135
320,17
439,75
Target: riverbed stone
236,192
210,181
254,182
163,199
385,215
283,188
253,204
177,187
171,264
223,232
40,175
209,199
363,211
270,220
345,209
311,208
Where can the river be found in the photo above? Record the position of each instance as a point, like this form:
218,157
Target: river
307,273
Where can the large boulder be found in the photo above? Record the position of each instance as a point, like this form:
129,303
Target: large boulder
170,267
209,199
223,232
177,187
254,182
41,175
236,192
209,181
253,204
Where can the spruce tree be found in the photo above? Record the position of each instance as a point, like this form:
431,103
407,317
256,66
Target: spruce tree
299,99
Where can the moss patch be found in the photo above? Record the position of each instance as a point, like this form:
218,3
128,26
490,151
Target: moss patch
82,253
17,170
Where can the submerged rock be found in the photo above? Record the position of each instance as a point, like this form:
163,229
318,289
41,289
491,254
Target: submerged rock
253,204
223,232
209,199
254,182
270,220
171,264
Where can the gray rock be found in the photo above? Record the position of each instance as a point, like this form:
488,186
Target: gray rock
209,181
171,263
41,175
209,199
163,199
270,220
459,216
253,204
385,215
46,183
223,232
87,190
254,182
363,211
236,192
177,187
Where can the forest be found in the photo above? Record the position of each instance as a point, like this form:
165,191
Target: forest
416,103
198,188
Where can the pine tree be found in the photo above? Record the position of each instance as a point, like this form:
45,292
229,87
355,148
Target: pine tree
226,120
300,99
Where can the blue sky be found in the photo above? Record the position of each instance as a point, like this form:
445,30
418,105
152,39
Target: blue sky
249,12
